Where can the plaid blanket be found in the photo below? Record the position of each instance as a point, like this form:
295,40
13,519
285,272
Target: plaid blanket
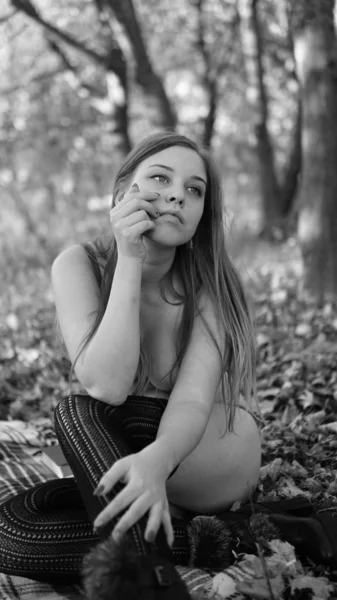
20,469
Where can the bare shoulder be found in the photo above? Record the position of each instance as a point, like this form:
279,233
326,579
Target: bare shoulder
72,262
73,255
76,295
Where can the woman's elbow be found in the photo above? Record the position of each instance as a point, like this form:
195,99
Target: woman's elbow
108,396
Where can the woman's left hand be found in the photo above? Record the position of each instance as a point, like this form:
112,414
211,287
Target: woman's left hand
145,490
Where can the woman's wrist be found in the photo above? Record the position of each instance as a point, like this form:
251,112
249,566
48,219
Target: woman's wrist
163,460
129,262
129,269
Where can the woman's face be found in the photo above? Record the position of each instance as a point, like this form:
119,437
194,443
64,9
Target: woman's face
179,176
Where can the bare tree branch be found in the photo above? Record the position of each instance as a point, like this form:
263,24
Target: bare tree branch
26,82
68,65
14,193
29,9
215,63
147,78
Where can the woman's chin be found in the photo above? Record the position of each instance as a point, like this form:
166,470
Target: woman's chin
162,239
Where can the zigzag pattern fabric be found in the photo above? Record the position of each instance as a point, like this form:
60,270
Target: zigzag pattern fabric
46,531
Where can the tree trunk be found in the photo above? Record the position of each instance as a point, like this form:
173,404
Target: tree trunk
210,77
147,78
292,169
209,123
257,97
315,48
116,64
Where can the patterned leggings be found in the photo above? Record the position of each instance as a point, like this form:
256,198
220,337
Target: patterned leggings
45,532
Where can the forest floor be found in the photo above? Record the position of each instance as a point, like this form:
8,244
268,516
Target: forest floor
296,379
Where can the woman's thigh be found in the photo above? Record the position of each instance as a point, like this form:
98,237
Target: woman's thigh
222,468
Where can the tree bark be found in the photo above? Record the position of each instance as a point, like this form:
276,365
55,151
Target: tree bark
146,76
209,78
315,48
257,97
292,169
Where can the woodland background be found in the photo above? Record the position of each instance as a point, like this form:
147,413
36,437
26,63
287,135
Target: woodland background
81,81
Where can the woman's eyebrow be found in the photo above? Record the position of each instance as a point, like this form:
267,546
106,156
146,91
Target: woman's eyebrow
172,170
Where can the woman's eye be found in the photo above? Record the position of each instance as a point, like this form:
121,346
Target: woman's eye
195,190
160,178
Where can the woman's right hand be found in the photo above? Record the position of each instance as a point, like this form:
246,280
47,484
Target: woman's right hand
131,219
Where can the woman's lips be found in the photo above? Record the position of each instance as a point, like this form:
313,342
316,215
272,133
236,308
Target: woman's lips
170,217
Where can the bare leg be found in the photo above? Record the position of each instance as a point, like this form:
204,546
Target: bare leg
220,470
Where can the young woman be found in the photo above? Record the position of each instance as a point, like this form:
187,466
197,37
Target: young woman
159,334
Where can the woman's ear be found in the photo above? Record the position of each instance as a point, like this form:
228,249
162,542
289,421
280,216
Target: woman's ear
122,187
117,198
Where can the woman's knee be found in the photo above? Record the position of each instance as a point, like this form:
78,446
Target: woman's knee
63,408
75,411
43,541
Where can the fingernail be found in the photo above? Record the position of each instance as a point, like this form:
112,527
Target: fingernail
116,536
98,524
151,537
98,529
157,194
99,490
135,187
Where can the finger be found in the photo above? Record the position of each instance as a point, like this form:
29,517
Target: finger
139,229
154,522
167,524
136,511
136,217
116,473
134,205
117,505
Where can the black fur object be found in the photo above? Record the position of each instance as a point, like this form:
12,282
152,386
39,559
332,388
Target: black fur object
115,571
262,527
210,543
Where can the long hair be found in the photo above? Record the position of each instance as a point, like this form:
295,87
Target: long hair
207,266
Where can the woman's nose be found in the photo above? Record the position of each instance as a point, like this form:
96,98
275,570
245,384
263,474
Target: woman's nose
176,195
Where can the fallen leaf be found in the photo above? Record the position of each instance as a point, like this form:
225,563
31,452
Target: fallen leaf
269,393
272,469
318,585
259,588
315,419
307,399
289,489
329,427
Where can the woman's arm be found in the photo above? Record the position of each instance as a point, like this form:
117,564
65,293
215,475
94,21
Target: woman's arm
113,354
145,473
186,416
107,366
